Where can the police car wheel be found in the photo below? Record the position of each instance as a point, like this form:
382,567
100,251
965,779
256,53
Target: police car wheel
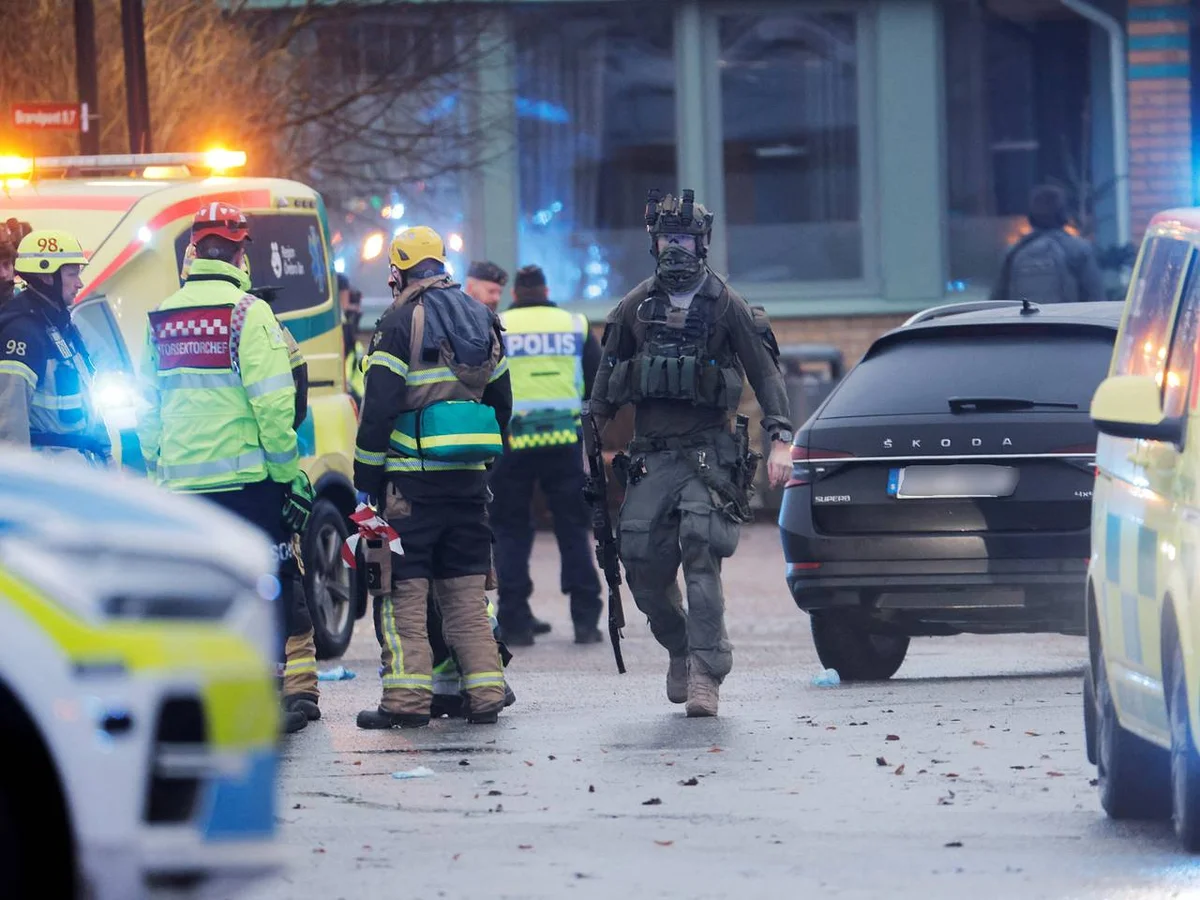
1089,714
1133,774
329,585
1185,761
857,653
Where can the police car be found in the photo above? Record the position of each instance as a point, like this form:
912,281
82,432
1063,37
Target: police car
137,701
1142,687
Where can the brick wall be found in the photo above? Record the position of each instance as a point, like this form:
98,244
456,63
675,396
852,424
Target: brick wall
1160,129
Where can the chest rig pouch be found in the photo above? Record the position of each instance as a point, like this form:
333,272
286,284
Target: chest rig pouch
675,359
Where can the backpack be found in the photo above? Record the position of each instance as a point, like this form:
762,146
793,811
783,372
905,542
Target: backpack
1040,270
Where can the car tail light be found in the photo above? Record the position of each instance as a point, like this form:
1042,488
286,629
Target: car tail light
811,462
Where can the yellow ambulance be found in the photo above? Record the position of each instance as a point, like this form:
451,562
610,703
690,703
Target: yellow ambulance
133,215
1142,686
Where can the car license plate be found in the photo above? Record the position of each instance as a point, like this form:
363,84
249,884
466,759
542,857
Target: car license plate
951,482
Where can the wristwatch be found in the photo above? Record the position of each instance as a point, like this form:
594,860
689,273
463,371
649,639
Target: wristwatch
783,436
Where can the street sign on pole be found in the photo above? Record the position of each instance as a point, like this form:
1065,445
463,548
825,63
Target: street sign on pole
46,116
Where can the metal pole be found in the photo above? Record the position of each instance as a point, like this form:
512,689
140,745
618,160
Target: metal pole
85,77
1120,115
137,92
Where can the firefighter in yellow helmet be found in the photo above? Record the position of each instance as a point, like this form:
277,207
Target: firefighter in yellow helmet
45,372
436,402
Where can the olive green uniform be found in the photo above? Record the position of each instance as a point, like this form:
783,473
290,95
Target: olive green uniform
683,369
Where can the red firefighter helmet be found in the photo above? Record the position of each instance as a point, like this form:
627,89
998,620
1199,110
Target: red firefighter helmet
220,219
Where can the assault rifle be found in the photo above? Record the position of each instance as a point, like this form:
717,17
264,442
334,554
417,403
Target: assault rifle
595,491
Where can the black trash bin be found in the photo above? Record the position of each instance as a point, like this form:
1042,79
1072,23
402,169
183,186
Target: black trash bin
810,372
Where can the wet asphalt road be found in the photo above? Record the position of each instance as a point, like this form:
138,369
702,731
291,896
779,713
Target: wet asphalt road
963,777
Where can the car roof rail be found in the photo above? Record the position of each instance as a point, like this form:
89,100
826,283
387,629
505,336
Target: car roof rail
954,309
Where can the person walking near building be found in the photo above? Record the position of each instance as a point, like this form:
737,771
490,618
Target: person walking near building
1048,265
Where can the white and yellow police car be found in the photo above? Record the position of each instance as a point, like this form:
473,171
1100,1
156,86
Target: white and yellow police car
138,711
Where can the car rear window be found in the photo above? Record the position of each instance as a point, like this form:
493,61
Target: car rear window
919,374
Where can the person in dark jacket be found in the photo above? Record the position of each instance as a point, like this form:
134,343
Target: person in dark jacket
1048,265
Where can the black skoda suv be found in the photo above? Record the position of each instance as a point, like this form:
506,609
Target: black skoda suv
945,484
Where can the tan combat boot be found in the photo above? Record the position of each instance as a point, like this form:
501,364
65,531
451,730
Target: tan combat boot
677,679
702,693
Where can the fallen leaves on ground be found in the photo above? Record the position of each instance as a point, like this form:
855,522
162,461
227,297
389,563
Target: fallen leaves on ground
524,846
1033,734
899,769
892,737
1054,774
528,763
664,843
591,789
880,761
494,794
690,782
716,750
979,743
653,801
954,844
464,762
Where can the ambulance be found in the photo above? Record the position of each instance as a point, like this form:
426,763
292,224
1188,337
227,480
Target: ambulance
138,705
133,215
1142,687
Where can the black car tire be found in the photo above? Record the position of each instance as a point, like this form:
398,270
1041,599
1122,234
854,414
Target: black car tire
1089,714
1133,773
1185,761
857,653
329,585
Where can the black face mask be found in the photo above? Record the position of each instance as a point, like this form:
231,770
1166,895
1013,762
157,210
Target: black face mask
678,270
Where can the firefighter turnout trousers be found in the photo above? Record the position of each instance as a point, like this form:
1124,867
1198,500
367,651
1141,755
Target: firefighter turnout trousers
447,549
261,504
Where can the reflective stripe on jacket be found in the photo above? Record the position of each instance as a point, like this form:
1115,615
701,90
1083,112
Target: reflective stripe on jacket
219,382
544,346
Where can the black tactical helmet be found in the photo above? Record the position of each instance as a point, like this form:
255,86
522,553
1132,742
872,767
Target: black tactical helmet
678,215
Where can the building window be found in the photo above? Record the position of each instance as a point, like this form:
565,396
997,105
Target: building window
789,118
595,131
1017,76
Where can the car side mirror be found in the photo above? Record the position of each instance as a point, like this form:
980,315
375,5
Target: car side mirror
1130,406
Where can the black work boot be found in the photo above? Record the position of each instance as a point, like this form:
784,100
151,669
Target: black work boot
588,634
484,718
448,705
509,697
522,638
537,626
305,704
381,718
292,721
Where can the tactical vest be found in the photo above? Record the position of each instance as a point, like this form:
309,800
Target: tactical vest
446,426
544,346
674,359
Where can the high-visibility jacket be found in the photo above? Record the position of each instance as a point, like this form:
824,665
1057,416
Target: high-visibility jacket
45,378
219,385
544,345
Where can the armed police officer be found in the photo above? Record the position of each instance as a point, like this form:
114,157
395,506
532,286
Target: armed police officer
677,347
436,403
45,371
221,421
